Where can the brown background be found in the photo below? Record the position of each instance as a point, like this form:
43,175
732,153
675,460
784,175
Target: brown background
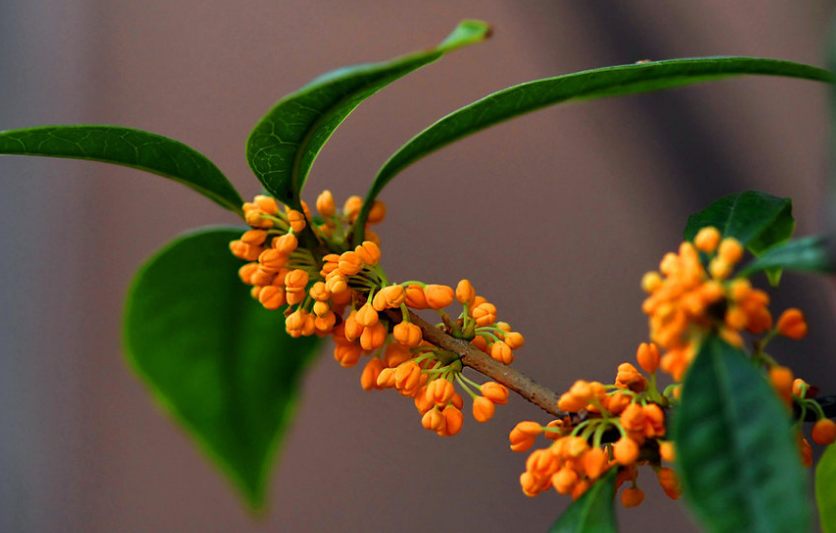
553,216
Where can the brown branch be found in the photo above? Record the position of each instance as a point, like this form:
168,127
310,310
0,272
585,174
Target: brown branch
544,398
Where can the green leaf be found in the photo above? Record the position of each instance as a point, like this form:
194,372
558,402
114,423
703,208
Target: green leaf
826,490
218,362
758,220
737,454
593,512
597,83
129,148
807,254
284,144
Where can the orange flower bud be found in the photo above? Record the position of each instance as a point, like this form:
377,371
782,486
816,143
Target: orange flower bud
480,343
352,207
347,354
484,313
720,269
731,251
373,337
782,378
632,497
254,237
257,219
262,276
483,409
415,297
438,296
368,380
350,264
272,259
246,272
386,378
433,420
297,220
465,293
648,357
669,482
389,297
319,293
806,452
667,451
454,421
495,392
324,322
440,391
797,387
367,316
618,402
336,285
296,279
407,334
707,239
286,244
457,401
395,355
564,480
824,431
267,204
580,487
255,291
514,340
628,376
792,324
368,252
377,213
325,204
651,281
372,236
595,462
271,297
502,353
523,435
626,451
423,401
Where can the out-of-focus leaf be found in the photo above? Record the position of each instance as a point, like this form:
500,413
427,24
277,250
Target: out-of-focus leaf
807,254
756,219
216,360
737,455
129,148
826,489
593,512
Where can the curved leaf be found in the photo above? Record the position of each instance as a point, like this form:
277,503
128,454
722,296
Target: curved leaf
217,361
737,456
597,83
593,512
129,148
756,219
283,146
808,254
826,489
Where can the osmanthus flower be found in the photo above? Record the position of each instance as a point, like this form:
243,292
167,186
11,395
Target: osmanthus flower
622,425
333,289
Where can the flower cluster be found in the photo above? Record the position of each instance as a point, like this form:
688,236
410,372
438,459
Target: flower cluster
329,288
621,425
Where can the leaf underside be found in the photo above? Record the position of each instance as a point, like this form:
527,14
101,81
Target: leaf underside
129,148
593,512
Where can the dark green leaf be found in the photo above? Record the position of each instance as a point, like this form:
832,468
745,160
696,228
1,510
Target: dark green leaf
610,81
217,361
129,148
826,489
593,512
758,220
738,459
808,254
284,144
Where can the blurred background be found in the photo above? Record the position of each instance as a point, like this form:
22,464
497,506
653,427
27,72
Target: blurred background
554,217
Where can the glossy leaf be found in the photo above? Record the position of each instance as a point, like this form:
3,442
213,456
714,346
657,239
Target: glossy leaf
593,512
284,144
808,254
758,220
826,490
217,361
129,148
597,83
737,455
